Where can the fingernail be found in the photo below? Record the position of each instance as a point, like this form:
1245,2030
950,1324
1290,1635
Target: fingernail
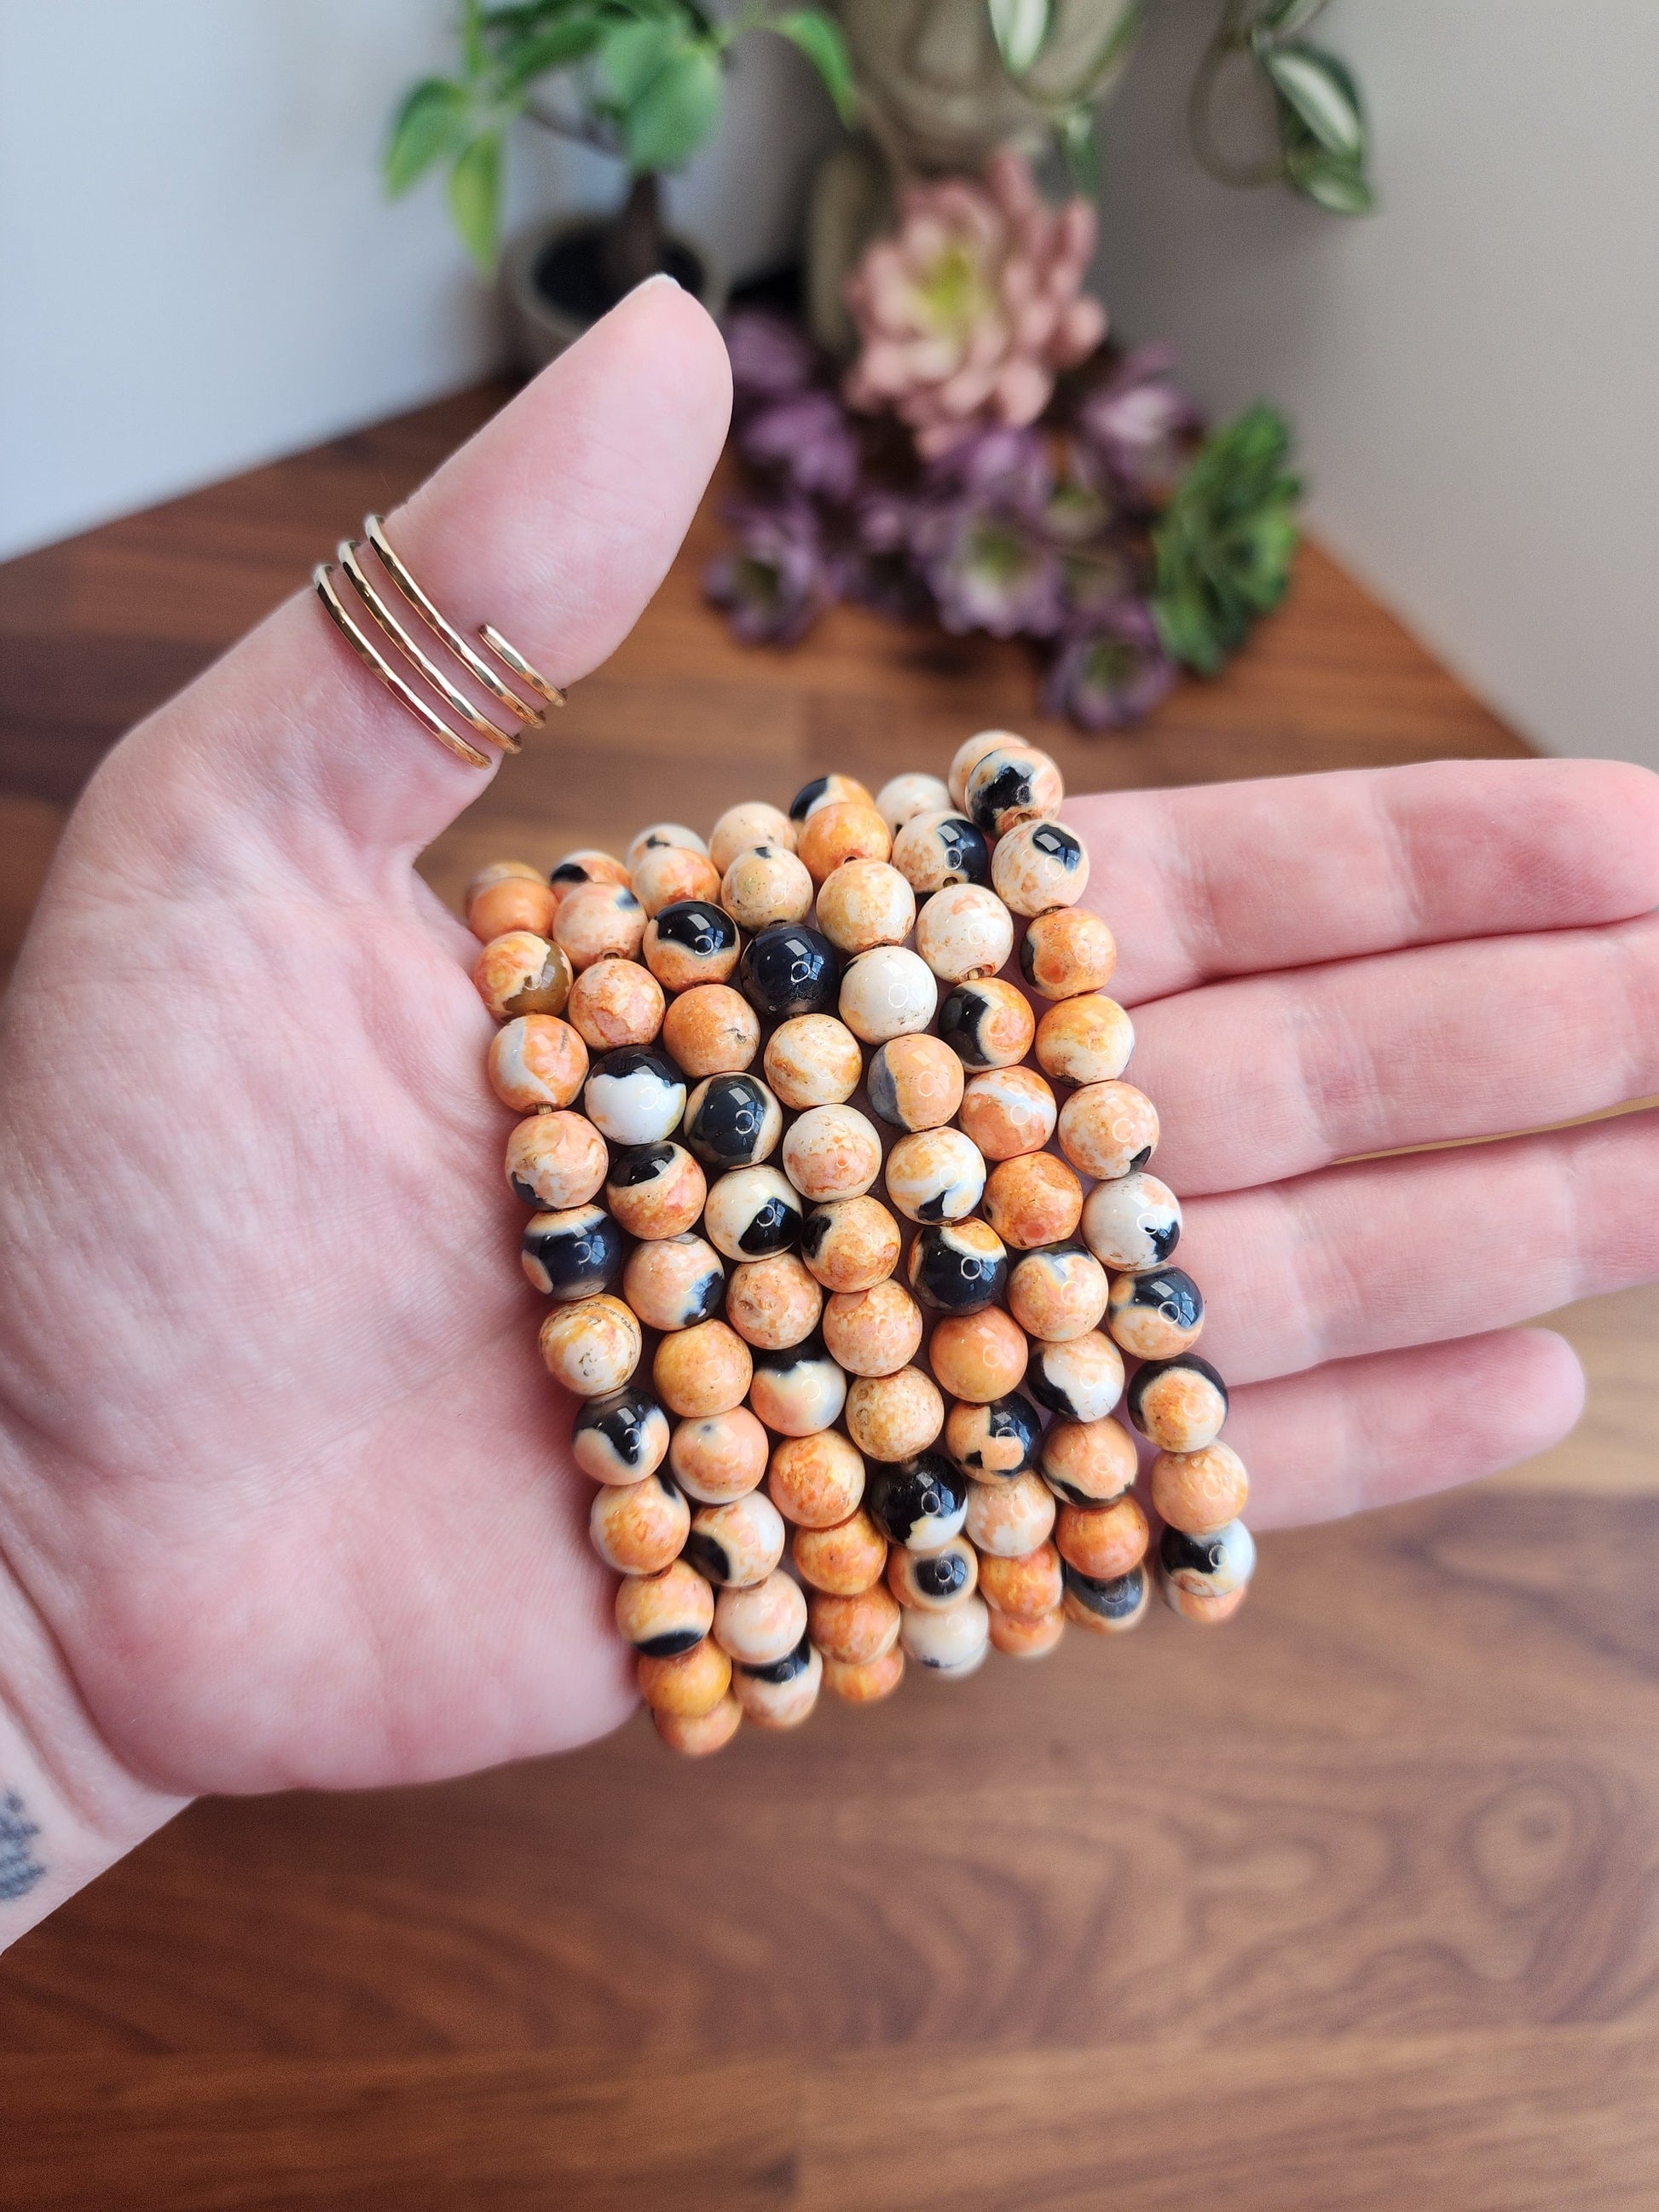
662,277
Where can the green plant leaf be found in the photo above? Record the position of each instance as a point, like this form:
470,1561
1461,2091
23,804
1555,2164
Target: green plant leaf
1280,18
820,39
1022,29
1323,95
475,199
1222,548
1078,143
1341,186
677,111
431,123
631,54
527,56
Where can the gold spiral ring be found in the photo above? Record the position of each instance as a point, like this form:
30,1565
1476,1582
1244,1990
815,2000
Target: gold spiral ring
400,634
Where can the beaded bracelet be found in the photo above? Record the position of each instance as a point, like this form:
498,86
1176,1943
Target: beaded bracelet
928,1511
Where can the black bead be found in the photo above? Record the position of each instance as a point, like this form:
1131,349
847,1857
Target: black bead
574,1254
624,1420
632,1164
940,1575
781,1670
1010,1417
1117,1599
1010,788
726,1120
1179,1553
960,1015
697,926
789,970
1150,1370
1171,1291
950,1275
966,854
925,1488
801,805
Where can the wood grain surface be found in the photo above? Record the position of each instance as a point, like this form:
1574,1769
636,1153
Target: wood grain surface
1355,1905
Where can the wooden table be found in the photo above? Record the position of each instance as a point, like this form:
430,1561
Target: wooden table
1357,1909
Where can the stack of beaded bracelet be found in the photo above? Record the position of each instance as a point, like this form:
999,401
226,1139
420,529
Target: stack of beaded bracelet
800,1417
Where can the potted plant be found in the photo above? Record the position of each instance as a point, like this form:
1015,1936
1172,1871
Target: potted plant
642,80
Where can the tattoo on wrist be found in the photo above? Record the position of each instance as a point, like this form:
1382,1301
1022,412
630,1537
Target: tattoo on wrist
20,1869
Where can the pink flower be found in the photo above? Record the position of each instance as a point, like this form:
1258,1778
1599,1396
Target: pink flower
969,313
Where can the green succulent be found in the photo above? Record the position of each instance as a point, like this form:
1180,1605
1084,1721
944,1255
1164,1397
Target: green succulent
1222,548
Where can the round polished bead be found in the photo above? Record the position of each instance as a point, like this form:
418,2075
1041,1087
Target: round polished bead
592,1347
497,871
635,1096
845,829
828,791
654,1190
915,1083
873,1332
691,941
1080,1379
1178,1404
701,1370
536,1060
638,1528
964,932
853,1630
1038,867
1157,1315
978,1355
751,1213
851,1244
920,1503
587,864
657,837
759,1625
1106,1129
616,1002
863,1684
790,969
1101,1541
864,903
1026,1640
1007,1111
767,885
620,1438
1089,1462
1027,1585
1133,1224
935,1175
669,874
901,798
711,1029
1199,1491
1033,1199
934,850
1013,783
987,1024
720,1456
813,1061
701,1735
993,1439
688,1684
511,901
737,1544
893,1417
674,1282
958,1266
969,754
731,1121
841,1560
816,1481
953,1643
1086,1040
783,1694
831,1152
798,1389
599,922
1057,1292
555,1160
932,1581
887,992
1008,1519
753,822
1208,1612
1211,1566
664,1613
573,1254
1106,1609
772,1303
522,974
1067,953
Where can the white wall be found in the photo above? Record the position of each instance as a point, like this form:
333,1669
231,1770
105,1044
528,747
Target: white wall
1474,371
197,268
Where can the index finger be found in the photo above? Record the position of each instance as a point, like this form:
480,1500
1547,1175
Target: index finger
1237,878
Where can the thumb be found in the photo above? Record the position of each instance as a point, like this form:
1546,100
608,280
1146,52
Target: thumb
555,524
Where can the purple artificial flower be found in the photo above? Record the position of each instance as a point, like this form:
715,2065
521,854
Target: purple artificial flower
1111,670
770,356
1134,423
778,578
989,566
1006,465
808,436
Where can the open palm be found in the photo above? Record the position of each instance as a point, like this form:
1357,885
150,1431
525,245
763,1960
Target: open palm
284,1487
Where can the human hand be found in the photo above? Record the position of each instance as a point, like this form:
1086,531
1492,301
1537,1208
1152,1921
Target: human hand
285,1491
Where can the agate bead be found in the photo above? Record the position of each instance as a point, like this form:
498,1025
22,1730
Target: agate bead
813,1061
816,1481
841,1560
1086,1040
674,1283
873,1332
1067,953
536,1060
1080,1379
892,1417
831,1152
521,974
969,754
665,1614
1132,1225
1106,1609
638,1528
573,1254
616,1002
592,1347
720,1456
1101,1541
783,1694
987,1024
850,1245
1032,1199
762,1624
862,1685
964,932
952,1643
588,865
1201,1491
1028,1585
753,822
932,1581
767,885
1178,1404
1057,1292
798,1388
901,798
711,1029
853,1630
865,903
1007,1111
958,1266
823,791
699,1736
934,850
978,1355
920,1503
751,1213
1214,1564
701,1370
993,1439
1039,866
555,1161
915,1083
772,1303
1014,782
1089,1462
620,1438
731,1121
887,992
936,1176
690,1684
1107,1129
668,873
511,901
635,1096
1026,1640
738,1544
655,1190
693,941
660,837
790,969
843,829
1006,1520
1157,1315
599,922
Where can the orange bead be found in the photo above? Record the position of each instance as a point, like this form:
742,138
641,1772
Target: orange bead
854,1630
978,1355
711,1029
690,1683
519,973
512,902
697,1737
1007,1111
1026,1640
536,1060
616,1002
894,1417
816,1481
846,829
842,1561
1200,1491
703,1370
862,1685
1029,1587
1089,1462
1033,1199
873,1332
1101,1541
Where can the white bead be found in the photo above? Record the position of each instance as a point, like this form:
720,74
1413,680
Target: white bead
905,795
888,992
663,833
1039,865
965,931
950,1642
1132,1224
